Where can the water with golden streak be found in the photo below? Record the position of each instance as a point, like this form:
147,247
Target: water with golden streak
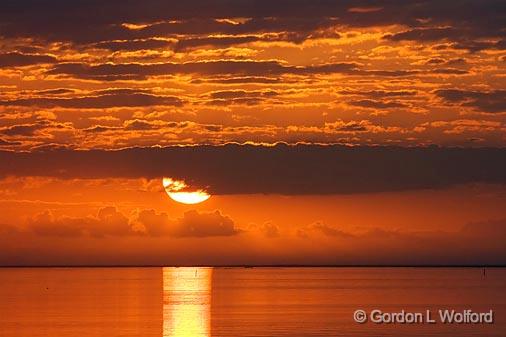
222,302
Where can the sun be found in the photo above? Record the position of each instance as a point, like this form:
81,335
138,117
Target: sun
177,191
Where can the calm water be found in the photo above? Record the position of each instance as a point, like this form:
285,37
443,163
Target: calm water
222,302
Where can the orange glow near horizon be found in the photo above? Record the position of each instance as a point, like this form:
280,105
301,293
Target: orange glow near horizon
323,131
174,188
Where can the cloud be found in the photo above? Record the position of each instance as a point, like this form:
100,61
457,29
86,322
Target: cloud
109,100
217,42
192,224
308,53
280,169
213,68
374,104
101,128
485,101
474,243
59,91
491,231
302,18
195,224
227,97
449,71
452,62
168,22
385,73
110,71
424,34
107,222
270,230
19,60
140,125
22,129
134,44
323,229
380,93
361,126
4,142
153,223
463,37
241,80
228,94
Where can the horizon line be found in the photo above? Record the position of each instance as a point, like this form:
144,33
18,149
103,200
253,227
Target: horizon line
265,266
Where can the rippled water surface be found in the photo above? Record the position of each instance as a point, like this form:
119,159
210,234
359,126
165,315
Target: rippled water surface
222,302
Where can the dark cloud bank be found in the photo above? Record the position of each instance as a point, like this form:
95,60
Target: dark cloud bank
471,24
280,169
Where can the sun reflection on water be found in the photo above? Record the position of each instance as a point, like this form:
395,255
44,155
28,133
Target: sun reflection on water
187,302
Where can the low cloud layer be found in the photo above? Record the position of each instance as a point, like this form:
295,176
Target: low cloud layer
109,222
476,243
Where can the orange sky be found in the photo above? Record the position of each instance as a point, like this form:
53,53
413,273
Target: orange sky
408,74
118,221
379,132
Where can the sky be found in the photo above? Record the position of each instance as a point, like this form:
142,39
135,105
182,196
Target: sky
325,132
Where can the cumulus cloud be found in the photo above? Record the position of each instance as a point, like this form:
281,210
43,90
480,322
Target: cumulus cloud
322,228
107,222
110,222
154,223
198,224
269,230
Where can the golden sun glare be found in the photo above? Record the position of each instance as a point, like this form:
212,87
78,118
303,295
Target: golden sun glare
176,189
